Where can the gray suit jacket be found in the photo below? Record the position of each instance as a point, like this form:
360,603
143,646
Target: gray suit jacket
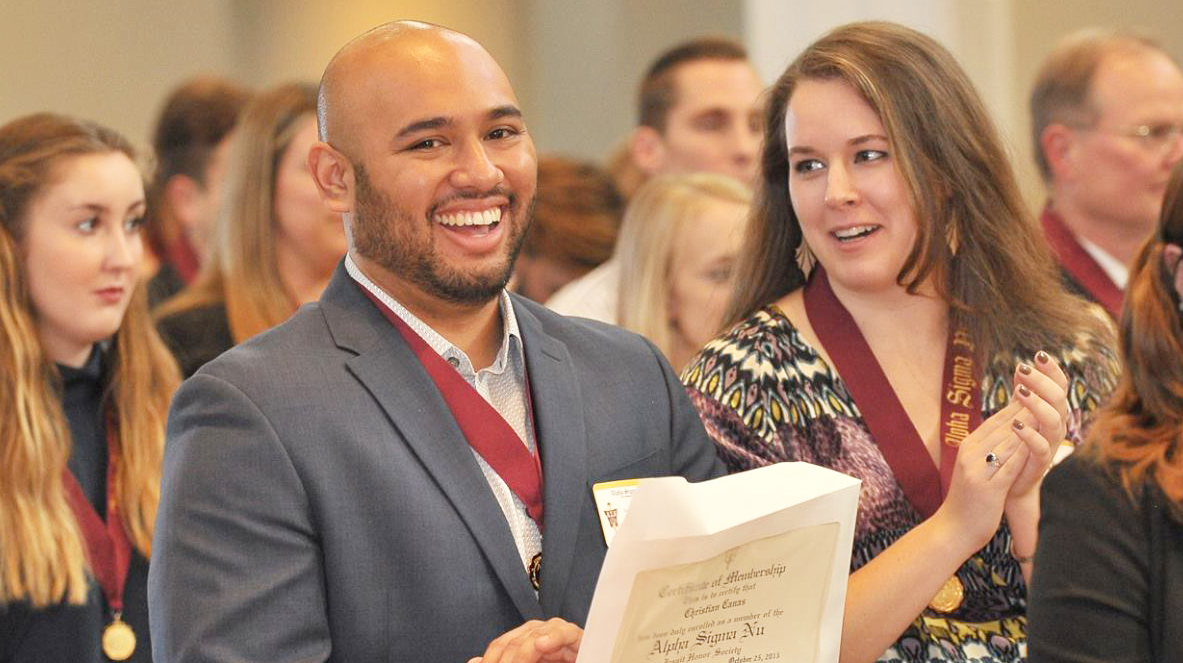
319,502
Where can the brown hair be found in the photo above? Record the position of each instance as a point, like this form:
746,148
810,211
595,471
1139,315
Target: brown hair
576,215
243,272
976,242
658,91
41,553
197,116
1140,429
1061,94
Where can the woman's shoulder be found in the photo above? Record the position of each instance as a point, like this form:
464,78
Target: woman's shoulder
1094,350
763,344
1082,471
751,381
1090,480
1085,499
763,368
1088,359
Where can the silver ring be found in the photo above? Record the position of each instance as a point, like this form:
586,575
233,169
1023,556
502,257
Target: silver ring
992,460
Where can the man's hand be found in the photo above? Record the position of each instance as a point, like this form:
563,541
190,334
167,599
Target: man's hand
551,641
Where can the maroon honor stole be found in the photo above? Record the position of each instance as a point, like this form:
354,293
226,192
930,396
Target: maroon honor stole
924,484
108,550
893,432
487,432
1081,266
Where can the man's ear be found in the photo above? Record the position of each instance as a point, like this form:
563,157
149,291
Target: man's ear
183,195
648,150
1057,141
333,173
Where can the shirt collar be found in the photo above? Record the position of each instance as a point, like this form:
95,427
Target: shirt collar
1113,268
511,336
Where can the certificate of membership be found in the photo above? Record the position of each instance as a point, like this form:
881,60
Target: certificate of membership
744,569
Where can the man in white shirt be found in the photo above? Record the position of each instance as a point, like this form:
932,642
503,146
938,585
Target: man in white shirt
403,470
1107,119
698,112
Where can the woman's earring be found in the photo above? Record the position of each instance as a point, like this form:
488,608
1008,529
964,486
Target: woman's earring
952,239
805,258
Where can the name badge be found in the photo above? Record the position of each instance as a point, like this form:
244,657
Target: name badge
612,501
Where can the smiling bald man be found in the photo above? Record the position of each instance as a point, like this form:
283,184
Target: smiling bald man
404,470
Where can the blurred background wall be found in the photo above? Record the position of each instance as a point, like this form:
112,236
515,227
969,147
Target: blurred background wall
574,63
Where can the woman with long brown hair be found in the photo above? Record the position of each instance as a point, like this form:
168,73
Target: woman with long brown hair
1114,510
84,389
899,319
276,244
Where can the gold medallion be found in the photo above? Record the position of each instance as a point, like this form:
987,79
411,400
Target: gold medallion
535,571
119,641
949,597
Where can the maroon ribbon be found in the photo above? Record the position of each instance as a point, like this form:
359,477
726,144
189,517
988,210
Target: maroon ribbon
107,545
482,425
1080,265
891,429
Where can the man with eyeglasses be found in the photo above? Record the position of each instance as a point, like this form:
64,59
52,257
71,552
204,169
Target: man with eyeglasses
1107,124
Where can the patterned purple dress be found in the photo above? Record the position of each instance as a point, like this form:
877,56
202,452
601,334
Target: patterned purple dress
765,396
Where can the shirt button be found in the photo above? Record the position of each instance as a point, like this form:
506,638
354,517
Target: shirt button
454,362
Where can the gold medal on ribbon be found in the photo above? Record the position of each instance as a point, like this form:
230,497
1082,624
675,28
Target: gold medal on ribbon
535,571
949,597
119,641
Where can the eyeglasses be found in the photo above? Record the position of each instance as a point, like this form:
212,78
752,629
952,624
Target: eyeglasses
1158,138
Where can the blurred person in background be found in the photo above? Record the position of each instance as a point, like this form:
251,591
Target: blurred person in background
898,318
677,249
85,385
1107,119
276,243
576,217
698,111
399,471
189,143
1109,579
624,171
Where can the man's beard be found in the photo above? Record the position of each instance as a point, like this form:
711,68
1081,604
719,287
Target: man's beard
385,233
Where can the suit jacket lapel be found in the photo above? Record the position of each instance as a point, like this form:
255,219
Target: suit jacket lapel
562,439
389,370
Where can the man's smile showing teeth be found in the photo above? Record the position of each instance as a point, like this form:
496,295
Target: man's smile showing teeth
847,234
474,218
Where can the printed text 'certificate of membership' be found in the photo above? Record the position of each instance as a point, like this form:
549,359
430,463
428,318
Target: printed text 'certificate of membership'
746,568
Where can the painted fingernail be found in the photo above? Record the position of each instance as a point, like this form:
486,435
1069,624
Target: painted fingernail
1018,425
1042,357
1024,391
1025,369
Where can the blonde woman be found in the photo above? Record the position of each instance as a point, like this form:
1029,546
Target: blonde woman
84,389
276,243
677,249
